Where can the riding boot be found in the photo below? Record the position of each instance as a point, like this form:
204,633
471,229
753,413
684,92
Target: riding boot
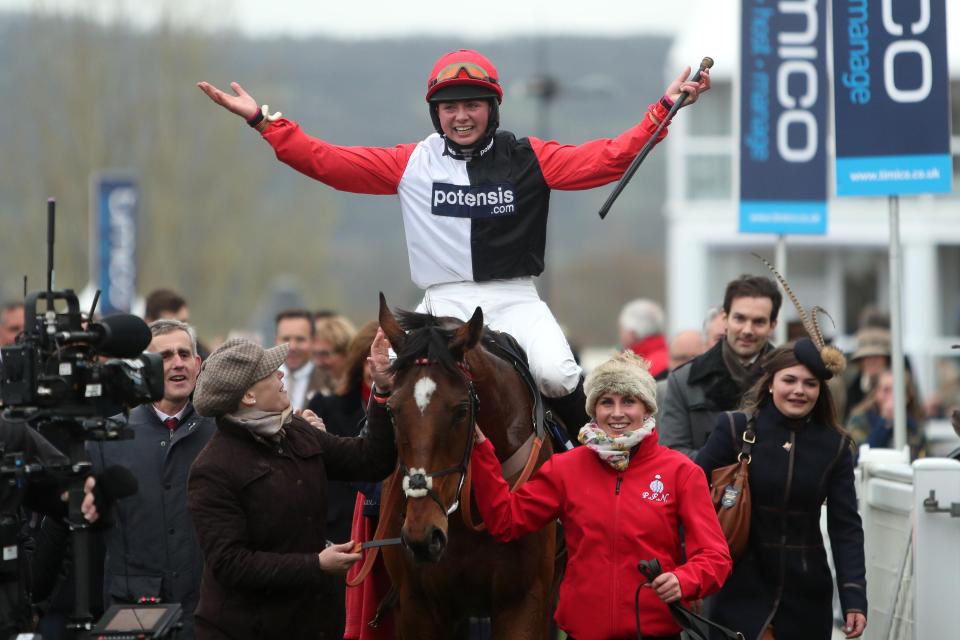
571,411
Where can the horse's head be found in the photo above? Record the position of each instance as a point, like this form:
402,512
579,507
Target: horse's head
433,407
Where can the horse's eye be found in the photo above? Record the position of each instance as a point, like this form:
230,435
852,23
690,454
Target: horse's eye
461,412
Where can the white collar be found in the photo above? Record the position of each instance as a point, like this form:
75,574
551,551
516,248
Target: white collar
164,417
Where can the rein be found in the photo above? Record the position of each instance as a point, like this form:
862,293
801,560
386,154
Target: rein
418,482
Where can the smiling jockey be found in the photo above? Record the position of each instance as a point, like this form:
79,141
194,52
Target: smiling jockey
474,201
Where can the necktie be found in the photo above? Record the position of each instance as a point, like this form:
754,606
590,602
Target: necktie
171,423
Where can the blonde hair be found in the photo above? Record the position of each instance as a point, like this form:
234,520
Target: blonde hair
336,330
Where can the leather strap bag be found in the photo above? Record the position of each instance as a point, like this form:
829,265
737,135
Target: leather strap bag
730,490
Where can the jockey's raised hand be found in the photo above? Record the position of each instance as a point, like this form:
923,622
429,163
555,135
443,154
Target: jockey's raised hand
693,89
241,103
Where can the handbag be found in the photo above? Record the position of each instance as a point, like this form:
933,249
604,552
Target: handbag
730,491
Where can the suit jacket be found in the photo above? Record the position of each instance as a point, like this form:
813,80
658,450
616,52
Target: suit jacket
697,392
152,549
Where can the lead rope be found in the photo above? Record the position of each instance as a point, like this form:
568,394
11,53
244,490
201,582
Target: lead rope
466,509
385,514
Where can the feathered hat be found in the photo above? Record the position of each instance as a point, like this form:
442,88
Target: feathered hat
823,360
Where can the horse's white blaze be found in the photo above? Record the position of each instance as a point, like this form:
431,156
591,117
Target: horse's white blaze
423,391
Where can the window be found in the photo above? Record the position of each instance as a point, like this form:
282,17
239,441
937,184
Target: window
948,266
708,177
864,284
713,119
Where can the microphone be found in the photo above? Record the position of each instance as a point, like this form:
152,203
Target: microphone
123,335
115,482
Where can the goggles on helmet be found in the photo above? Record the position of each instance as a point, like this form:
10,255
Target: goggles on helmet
462,70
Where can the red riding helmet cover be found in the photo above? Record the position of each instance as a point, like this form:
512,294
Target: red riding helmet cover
470,72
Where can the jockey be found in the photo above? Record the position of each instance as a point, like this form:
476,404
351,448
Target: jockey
474,201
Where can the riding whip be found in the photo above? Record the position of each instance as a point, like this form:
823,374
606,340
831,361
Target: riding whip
706,63
688,620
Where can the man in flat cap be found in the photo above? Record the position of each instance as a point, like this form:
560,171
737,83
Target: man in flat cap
257,494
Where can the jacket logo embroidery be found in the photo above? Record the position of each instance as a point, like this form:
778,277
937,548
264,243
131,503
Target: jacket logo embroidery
656,493
469,201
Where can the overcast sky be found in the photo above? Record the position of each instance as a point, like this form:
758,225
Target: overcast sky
374,18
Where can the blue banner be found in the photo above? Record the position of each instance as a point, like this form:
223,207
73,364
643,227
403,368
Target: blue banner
783,117
891,97
116,199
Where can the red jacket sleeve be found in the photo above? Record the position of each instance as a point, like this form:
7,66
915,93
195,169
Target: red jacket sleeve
592,164
708,556
373,170
507,515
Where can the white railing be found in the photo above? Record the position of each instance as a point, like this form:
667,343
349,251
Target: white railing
912,549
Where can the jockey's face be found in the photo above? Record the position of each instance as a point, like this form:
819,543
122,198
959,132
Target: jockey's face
617,414
464,121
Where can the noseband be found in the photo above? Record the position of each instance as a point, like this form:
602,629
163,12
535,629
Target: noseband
418,483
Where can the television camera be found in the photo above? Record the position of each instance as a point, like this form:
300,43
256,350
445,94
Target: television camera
67,377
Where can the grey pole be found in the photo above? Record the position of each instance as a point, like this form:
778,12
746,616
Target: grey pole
781,261
896,329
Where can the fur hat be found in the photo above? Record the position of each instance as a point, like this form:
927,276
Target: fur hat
625,374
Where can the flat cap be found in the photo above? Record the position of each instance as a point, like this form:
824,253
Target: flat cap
232,369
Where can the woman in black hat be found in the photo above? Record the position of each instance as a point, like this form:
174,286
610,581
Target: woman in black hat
781,587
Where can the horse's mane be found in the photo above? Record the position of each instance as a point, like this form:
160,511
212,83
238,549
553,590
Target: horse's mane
428,337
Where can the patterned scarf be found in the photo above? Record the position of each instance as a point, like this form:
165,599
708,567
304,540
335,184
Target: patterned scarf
614,450
261,423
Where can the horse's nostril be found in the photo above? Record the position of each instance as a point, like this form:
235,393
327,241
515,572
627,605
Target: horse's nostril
438,542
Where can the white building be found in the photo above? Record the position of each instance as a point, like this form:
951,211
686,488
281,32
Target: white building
842,271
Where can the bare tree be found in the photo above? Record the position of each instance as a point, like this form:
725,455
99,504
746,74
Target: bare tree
94,96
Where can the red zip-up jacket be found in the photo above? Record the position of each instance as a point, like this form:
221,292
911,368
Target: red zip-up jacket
611,521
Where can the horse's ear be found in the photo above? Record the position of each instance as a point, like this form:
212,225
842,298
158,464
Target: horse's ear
468,335
390,326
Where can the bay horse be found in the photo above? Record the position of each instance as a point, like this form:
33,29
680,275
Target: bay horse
446,571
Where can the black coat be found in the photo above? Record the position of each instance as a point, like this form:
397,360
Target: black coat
152,551
260,513
342,416
42,494
783,578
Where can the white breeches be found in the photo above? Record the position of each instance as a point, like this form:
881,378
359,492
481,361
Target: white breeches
513,306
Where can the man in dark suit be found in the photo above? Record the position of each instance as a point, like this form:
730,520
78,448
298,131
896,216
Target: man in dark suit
303,378
716,380
152,551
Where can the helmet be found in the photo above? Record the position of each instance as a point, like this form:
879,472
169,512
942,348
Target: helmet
462,75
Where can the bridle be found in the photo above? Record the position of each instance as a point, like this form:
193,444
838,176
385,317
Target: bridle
418,482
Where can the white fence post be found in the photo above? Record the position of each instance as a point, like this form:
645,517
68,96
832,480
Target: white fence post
936,548
885,494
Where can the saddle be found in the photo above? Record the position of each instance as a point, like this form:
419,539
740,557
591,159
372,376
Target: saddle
505,346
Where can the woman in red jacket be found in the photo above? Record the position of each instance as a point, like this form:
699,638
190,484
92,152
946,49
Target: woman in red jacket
621,499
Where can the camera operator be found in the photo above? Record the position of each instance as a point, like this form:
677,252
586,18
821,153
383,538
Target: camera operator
152,550
43,495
